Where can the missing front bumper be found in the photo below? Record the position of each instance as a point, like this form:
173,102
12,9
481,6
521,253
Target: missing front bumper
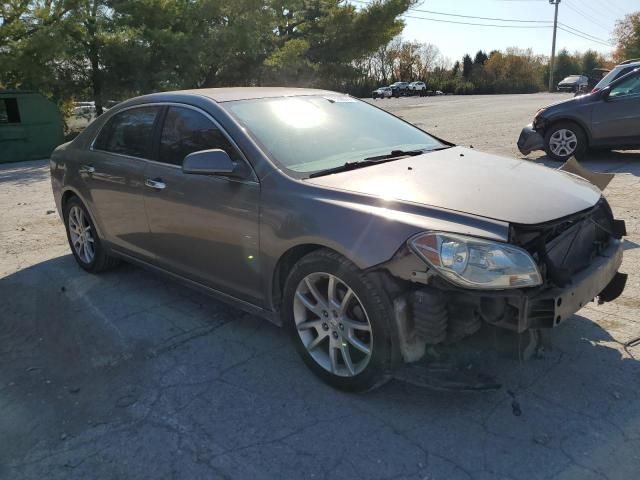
530,140
601,279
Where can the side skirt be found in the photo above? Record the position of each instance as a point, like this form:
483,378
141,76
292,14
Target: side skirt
247,307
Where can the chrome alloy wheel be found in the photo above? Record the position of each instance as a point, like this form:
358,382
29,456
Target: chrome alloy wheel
333,324
563,142
81,236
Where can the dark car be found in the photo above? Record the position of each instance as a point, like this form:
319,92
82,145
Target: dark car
364,236
607,118
573,83
400,88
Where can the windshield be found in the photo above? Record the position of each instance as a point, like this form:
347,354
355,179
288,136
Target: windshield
572,78
611,76
307,134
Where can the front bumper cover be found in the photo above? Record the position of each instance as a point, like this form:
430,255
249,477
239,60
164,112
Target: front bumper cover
601,278
530,140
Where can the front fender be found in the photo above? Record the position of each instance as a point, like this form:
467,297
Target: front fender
366,230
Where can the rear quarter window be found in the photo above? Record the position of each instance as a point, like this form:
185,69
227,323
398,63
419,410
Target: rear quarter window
129,132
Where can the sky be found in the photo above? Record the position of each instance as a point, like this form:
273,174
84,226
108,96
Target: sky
589,18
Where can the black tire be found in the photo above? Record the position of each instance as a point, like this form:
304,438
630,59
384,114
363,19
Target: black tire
582,144
101,260
378,308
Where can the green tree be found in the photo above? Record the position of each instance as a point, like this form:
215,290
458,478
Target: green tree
328,36
627,36
467,66
480,58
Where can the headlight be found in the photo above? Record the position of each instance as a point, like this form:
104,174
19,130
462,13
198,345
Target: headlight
536,117
476,263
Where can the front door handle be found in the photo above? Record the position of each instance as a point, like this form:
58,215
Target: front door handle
87,169
156,184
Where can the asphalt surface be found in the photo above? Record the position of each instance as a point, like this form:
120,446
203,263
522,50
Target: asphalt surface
127,375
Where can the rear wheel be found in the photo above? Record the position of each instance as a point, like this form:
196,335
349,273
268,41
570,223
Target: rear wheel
564,140
338,319
84,240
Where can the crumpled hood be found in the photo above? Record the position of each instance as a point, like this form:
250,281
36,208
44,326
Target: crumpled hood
465,180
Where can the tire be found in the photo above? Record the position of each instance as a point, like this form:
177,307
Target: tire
95,258
326,330
574,138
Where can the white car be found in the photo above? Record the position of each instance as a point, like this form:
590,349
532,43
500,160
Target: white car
417,86
382,92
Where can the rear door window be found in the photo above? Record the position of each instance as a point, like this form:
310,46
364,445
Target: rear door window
186,131
129,132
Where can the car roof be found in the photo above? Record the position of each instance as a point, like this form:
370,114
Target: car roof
249,93
627,65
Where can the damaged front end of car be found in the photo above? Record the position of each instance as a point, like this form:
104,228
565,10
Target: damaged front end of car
448,285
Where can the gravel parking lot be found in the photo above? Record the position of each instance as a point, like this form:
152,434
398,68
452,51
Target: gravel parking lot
128,375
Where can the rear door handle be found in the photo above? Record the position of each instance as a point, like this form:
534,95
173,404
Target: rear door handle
87,169
156,184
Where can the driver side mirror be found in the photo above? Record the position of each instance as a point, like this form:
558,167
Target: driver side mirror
210,162
606,91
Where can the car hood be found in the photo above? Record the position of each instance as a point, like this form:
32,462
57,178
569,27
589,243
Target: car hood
472,182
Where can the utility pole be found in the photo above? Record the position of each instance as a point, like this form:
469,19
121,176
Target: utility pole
553,44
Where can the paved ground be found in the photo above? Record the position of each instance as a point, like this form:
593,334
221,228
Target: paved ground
127,375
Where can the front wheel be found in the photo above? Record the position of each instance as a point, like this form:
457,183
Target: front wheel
564,140
339,320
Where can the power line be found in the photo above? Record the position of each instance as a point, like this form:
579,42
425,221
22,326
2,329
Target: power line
593,37
495,19
544,23
479,18
475,24
586,16
582,36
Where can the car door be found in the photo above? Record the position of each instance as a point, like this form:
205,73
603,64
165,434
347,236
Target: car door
204,227
113,174
616,119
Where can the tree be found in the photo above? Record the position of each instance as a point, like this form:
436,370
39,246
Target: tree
467,66
627,36
480,58
328,36
565,65
456,69
591,60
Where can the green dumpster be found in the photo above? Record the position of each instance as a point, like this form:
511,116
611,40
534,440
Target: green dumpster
30,126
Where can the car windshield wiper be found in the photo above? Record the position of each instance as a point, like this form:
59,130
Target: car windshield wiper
389,157
394,155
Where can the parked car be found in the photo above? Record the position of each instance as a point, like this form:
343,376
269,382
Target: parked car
352,228
573,83
438,92
399,88
382,92
607,118
597,74
418,88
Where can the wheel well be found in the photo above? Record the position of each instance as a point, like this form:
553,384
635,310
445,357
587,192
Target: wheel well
284,266
66,196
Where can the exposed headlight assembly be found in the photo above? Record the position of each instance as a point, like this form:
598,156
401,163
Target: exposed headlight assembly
476,263
536,118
